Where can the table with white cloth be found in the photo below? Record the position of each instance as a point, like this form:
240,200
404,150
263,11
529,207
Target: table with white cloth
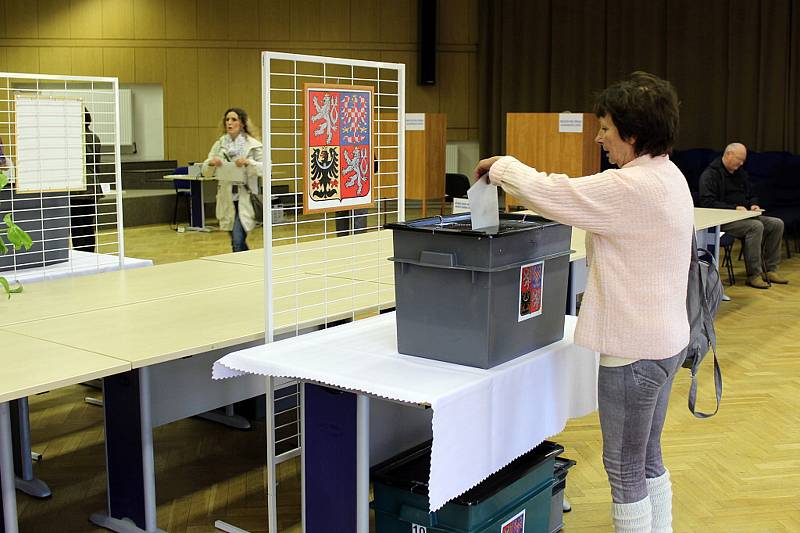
482,419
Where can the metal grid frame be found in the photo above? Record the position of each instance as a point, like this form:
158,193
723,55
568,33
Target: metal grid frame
104,207
350,270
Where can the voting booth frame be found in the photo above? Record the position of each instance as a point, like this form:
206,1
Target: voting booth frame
353,254
59,148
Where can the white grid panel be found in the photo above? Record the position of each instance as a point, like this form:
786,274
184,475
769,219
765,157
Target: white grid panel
324,268
76,227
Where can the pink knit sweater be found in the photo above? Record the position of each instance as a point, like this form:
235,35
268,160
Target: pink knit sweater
639,223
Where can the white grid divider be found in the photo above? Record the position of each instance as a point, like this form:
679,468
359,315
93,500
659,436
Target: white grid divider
75,229
309,265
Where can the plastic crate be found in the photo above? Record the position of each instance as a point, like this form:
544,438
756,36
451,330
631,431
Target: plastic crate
479,298
516,498
562,466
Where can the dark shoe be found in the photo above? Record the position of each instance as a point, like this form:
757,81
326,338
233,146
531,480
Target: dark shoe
774,277
757,283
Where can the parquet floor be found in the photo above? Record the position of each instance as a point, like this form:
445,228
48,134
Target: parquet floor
736,472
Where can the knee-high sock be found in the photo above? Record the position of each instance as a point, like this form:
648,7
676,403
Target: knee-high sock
632,517
660,491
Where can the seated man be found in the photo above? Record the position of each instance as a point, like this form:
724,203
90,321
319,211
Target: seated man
725,185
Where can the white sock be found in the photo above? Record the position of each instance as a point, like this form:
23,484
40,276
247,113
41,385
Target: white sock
632,517
660,491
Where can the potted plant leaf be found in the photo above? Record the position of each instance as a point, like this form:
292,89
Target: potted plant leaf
16,237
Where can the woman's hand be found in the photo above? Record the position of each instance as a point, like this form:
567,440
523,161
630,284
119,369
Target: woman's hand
242,162
215,162
483,167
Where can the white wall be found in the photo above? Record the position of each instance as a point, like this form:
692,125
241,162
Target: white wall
462,156
148,122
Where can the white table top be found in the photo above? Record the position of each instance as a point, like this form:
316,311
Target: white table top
706,218
172,177
79,263
482,419
31,366
74,295
153,331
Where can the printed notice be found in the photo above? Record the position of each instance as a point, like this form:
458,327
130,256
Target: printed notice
570,123
415,121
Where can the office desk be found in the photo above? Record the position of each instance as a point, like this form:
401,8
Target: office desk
79,263
31,366
197,210
327,257
157,336
710,220
482,419
707,222
45,304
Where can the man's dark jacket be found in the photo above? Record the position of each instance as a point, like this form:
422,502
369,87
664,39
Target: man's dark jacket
721,189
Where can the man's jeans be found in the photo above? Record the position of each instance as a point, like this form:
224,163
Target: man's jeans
758,232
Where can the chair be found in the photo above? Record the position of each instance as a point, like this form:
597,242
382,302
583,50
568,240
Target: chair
455,186
182,190
726,243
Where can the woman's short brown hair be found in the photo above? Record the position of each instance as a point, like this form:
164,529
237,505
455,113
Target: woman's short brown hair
644,108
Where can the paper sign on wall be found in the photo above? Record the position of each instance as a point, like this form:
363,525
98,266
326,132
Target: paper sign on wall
415,121
570,123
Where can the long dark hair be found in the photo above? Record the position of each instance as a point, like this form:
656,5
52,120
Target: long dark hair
244,119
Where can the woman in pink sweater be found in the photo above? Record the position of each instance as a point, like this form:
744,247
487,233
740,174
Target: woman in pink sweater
638,220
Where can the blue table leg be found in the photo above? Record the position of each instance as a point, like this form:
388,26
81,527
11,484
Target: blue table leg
23,465
129,455
8,497
329,460
198,209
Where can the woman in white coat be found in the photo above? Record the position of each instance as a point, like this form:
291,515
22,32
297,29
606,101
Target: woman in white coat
237,145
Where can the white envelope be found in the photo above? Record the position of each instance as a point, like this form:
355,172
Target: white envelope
230,172
483,205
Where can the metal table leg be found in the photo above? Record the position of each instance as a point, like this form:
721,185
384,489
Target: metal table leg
129,455
8,497
23,464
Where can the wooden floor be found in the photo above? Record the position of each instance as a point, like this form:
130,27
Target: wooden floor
737,472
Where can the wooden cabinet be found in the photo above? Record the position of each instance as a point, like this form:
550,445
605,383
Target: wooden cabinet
535,139
425,160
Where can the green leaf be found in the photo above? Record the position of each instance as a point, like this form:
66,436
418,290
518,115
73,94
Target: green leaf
3,179
3,248
9,290
17,235
6,287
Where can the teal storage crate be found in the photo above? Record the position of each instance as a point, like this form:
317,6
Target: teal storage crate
520,493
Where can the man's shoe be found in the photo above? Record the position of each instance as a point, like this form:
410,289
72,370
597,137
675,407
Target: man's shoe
757,282
774,277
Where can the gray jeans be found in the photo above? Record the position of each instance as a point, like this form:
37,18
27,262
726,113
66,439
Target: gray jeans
758,232
633,403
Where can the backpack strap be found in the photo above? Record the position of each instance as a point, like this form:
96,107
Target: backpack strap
708,327
717,387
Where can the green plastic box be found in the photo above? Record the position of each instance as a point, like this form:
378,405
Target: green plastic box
515,499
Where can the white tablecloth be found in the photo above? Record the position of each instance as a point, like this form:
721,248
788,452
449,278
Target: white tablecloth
79,264
482,419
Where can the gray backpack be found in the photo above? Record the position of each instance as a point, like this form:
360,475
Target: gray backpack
703,295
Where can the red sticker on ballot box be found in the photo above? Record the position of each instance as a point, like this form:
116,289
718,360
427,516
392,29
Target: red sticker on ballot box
531,284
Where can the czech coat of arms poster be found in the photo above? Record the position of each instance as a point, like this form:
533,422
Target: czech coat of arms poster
338,157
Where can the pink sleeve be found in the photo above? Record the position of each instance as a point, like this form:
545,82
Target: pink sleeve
593,203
